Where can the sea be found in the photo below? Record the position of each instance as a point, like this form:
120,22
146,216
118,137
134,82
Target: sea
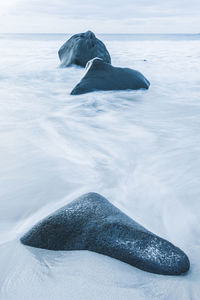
139,149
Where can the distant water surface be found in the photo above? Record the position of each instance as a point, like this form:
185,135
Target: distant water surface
105,36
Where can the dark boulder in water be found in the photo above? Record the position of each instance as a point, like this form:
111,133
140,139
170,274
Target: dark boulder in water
92,223
102,76
81,48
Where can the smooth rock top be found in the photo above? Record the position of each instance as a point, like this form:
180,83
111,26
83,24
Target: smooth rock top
92,223
81,48
103,76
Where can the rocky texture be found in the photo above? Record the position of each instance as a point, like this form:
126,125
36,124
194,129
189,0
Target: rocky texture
81,48
92,223
102,76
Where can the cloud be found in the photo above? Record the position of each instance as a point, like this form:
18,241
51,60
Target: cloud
111,8
120,15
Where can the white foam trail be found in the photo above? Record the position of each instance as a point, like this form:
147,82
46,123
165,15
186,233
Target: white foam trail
139,149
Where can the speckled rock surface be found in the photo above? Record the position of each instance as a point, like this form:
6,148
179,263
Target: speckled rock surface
92,223
102,76
81,48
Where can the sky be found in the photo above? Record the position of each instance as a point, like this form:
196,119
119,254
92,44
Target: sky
100,16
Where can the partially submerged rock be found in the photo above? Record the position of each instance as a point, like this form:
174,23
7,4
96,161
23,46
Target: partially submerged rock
102,76
92,223
81,48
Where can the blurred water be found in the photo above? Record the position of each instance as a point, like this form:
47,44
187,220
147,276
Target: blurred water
139,149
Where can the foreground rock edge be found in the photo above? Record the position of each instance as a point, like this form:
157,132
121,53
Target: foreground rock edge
92,223
100,75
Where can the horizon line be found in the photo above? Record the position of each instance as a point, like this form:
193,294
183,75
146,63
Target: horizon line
101,33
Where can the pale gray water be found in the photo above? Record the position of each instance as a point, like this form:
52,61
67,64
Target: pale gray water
139,149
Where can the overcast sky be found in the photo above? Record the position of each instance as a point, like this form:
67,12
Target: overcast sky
101,16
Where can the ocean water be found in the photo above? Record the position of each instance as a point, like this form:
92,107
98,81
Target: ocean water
140,149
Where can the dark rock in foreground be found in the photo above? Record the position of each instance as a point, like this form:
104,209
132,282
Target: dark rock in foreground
92,223
81,48
102,76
